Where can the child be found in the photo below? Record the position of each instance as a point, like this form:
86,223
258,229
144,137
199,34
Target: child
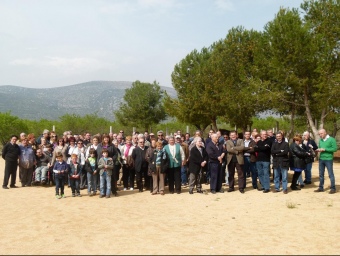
74,175
105,166
59,170
91,169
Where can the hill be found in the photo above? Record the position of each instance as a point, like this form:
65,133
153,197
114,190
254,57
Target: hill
103,97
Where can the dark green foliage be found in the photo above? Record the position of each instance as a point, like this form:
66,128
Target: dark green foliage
142,107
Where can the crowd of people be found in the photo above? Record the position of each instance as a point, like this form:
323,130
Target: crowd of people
149,162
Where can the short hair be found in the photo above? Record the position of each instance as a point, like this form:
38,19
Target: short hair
74,156
105,150
58,155
93,151
159,144
128,137
233,132
297,137
30,136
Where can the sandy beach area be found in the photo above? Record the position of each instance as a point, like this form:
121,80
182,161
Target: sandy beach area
33,221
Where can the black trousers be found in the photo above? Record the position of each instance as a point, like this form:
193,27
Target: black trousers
174,178
114,178
147,179
295,178
83,179
128,176
10,171
215,176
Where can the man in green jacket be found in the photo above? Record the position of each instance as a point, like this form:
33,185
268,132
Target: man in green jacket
327,147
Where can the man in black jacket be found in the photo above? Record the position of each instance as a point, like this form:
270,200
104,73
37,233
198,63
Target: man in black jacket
10,153
263,148
197,161
280,150
141,164
216,154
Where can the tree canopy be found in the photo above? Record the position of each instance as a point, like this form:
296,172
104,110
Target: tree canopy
291,68
143,105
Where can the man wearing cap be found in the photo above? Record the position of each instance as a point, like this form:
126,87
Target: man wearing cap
46,135
161,138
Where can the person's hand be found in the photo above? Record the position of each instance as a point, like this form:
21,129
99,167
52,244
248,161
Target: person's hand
310,145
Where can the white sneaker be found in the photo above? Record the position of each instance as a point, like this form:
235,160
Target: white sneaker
131,188
125,189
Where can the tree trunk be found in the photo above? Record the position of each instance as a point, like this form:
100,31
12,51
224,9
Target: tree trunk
310,118
214,124
292,125
336,128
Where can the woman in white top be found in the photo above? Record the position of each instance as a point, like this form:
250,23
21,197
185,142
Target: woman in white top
128,171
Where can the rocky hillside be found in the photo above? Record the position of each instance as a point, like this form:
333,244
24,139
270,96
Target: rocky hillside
102,97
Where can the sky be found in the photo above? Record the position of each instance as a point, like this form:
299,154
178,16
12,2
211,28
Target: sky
53,43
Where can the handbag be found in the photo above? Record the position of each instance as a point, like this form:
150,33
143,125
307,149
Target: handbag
130,163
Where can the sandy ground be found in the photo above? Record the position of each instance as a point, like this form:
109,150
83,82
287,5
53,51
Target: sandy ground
34,222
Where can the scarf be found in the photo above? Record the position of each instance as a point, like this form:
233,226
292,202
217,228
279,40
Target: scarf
126,153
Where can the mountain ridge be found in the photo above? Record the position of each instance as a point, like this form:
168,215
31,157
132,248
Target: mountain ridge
101,97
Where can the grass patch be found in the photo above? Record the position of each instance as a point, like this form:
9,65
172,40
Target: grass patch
290,205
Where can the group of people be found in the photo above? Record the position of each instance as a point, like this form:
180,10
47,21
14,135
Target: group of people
152,162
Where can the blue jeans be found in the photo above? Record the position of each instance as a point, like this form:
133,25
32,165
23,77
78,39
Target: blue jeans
59,183
250,168
308,172
91,182
184,177
75,185
246,166
277,172
105,184
40,173
263,172
329,165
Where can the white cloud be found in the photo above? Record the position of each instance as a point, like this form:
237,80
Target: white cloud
24,62
63,65
119,8
226,5
158,3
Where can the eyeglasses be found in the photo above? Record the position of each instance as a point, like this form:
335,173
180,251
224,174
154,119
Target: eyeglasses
141,142
160,135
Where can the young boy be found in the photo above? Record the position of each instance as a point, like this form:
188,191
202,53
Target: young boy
105,166
91,169
74,175
60,170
